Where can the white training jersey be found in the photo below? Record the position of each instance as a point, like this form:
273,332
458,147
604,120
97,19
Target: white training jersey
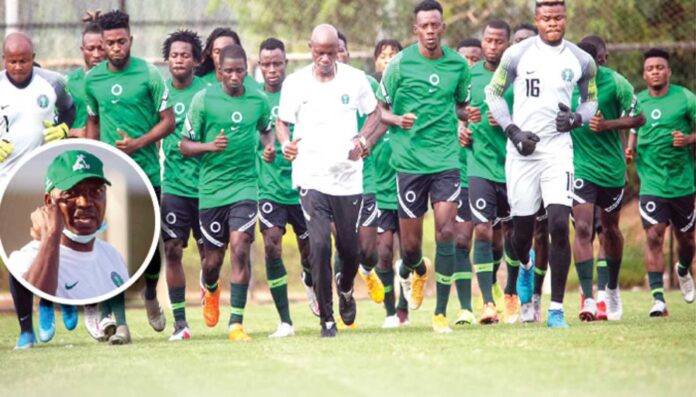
542,77
23,111
81,275
324,115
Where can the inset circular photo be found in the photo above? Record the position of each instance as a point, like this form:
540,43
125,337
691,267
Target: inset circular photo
80,222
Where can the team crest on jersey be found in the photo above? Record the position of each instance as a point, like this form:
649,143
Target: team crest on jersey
656,114
237,117
42,100
345,99
274,112
116,279
567,75
116,89
179,108
434,79
80,163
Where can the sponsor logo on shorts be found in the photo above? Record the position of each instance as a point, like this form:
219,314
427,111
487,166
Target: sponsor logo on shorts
266,207
170,218
480,204
650,206
410,196
215,227
579,183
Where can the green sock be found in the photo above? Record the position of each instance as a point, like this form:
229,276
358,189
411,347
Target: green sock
419,267
118,306
539,275
307,269
212,287
602,274
444,266
462,277
177,297
387,278
682,270
513,268
584,270
278,284
104,309
238,297
483,265
656,288
497,258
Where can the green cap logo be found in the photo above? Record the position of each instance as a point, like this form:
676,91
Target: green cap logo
71,167
42,100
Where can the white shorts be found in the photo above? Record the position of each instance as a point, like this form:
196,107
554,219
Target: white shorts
529,181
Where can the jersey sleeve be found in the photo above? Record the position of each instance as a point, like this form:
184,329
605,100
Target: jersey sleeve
587,85
194,126
691,109
503,77
288,105
626,97
463,92
20,261
65,107
366,97
265,122
90,101
158,89
390,80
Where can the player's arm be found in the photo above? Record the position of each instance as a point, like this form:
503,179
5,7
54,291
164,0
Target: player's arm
630,151
679,139
505,74
587,84
367,104
92,125
164,127
192,135
385,95
267,138
47,228
632,115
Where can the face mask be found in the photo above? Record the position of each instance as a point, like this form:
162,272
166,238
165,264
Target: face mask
86,238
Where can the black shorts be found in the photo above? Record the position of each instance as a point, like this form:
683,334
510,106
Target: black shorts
413,191
607,198
463,209
180,218
488,201
678,211
387,221
368,213
216,223
272,214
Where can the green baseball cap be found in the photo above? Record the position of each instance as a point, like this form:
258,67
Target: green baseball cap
71,167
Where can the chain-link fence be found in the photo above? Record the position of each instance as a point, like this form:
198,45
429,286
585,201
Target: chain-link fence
629,27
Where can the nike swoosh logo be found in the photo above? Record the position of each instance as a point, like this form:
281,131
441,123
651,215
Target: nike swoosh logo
371,207
114,101
4,107
71,286
386,139
431,90
355,202
532,72
654,124
24,318
251,215
233,129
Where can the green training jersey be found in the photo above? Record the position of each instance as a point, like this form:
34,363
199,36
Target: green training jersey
664,170
369,184
228,176
130,100
275,179
428,88
385,174
76,87
249,81
488,148
464,154
599,157
180,173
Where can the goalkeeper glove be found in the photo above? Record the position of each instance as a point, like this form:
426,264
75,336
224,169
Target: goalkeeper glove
524,141
567,120
6,149
54,133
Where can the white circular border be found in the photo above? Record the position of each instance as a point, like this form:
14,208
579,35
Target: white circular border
85,144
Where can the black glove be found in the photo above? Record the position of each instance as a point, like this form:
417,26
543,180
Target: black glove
524,141
567,120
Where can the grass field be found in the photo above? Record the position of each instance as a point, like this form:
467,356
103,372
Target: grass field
638,356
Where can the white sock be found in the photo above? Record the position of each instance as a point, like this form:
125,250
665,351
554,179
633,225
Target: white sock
556,306
527,265
601,295
363,270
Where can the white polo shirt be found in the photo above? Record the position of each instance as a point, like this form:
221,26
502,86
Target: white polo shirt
81,275
325,117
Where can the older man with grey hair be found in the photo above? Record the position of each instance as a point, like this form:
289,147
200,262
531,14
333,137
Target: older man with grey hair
321,100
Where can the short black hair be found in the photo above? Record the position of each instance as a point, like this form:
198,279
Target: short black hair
91,21
470,42
207,65
343,38
185,36
233,51
384,43
498,24
589,48
656,53
526,26
549,3
272,43
427,5
595,41
115,19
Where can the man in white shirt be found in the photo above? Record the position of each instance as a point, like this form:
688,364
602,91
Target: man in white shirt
65,259
321,100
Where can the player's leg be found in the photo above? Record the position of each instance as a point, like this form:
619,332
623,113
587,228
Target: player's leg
541,262
611,249
683,219
213,223
601,262
483,205
47,320
463,231
23,302
498,249
385,264
273,219
412,192
445,193
367,237
654,214
346,211
317,213
241,223
121,334
155,314
583,250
